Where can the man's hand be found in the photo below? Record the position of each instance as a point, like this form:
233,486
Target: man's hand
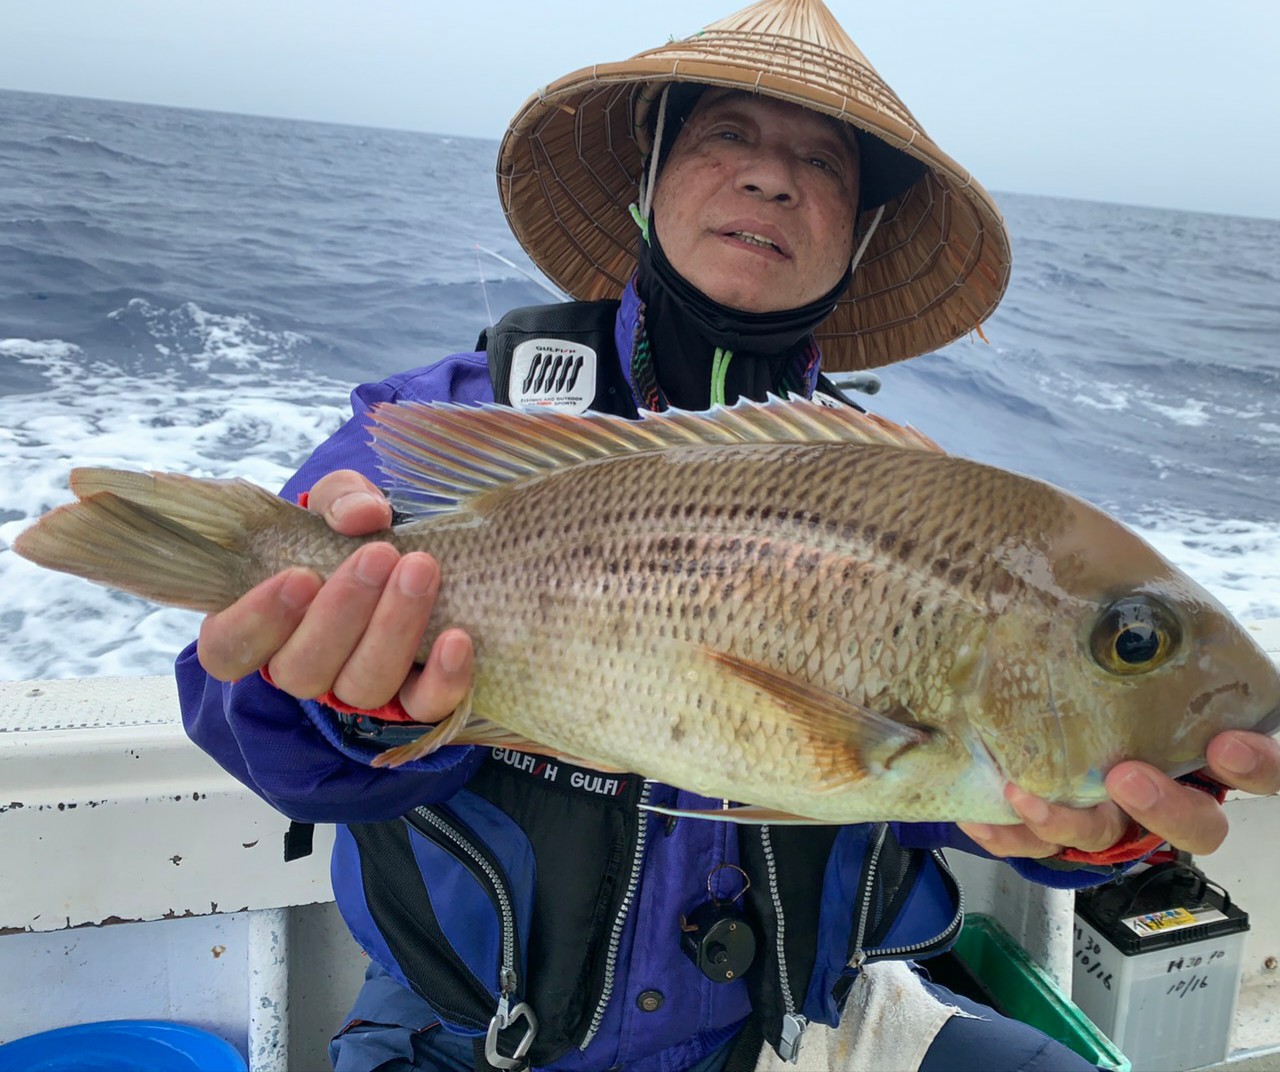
354,635
1187,818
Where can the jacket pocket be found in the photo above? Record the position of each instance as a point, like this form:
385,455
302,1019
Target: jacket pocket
445,897
880,901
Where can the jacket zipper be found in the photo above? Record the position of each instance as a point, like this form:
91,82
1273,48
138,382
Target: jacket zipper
862,956
793,1023
945,937
619,922
868,884
508,971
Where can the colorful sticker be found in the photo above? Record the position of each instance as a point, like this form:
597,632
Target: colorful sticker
1170,919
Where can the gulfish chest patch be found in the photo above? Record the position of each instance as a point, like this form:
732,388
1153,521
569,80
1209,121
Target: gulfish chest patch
553,374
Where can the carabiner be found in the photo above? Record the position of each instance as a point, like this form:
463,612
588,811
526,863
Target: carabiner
503,1019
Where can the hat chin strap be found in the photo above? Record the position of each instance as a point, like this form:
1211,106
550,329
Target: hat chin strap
647,181
866,239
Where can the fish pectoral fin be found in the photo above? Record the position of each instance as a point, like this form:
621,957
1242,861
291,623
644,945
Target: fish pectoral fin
746,814
847,740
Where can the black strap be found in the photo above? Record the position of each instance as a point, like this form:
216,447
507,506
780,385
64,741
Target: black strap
828,388
745,1054
298,840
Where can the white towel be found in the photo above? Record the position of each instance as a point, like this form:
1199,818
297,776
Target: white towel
890,1020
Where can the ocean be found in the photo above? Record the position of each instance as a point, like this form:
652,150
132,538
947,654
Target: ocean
198,292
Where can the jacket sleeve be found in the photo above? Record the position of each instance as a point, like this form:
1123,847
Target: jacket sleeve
1052,872
293,753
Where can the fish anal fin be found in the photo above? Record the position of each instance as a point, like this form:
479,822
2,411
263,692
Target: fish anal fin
847,740
746,814
433,738
463,728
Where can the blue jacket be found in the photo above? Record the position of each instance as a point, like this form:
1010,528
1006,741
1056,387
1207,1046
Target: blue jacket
296,757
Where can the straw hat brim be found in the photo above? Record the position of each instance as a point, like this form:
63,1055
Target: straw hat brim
569,165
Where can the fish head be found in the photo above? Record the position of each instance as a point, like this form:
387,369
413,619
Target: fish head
1108,652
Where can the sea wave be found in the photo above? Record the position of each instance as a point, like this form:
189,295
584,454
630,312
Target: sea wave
218,408
82,147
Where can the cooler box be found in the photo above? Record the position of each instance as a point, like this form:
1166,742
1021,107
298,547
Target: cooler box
1158,959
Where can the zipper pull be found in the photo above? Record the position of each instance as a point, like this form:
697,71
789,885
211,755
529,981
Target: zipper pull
793,1027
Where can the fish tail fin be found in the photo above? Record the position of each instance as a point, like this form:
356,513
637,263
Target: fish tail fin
170,539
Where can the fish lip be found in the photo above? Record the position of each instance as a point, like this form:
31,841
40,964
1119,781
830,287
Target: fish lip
762,230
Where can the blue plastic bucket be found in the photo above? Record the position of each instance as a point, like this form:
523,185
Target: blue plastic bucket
121,1046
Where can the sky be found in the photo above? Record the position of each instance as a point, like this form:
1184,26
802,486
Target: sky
1170,103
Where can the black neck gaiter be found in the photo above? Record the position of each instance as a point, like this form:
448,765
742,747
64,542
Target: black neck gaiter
685,327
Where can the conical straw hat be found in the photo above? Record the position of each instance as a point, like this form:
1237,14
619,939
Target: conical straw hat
569,165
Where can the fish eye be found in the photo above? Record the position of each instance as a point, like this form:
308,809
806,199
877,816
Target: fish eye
1135,635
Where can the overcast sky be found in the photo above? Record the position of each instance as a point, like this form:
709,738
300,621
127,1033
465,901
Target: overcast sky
1154,102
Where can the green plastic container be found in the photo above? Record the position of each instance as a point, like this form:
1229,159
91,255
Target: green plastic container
1020,989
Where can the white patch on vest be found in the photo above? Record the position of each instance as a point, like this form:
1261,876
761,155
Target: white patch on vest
553,374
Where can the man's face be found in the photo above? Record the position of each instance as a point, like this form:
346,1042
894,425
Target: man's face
755,205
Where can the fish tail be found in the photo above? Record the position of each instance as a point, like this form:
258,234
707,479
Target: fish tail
170,539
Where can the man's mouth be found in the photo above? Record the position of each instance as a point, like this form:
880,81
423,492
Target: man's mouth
755,240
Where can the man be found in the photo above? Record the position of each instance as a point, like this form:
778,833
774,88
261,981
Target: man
787,201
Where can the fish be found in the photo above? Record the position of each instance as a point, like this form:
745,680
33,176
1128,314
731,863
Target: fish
810,611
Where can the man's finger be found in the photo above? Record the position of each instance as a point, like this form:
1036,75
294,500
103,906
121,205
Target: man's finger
1186,818
244,637
1087,829
442,684
309,662
1248,761
384,655
350,503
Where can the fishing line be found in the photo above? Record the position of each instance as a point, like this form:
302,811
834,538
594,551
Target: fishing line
559,295
484,289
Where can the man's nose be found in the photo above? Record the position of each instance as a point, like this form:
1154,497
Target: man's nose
770,174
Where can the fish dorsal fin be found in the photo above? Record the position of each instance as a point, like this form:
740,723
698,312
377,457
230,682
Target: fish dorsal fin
440,454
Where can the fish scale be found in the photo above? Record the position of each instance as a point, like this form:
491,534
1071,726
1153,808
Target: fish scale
812,611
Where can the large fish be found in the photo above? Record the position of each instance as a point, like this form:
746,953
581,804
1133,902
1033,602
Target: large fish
808,610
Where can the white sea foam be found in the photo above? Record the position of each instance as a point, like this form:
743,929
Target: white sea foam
1237,561
1191,413
36,351
252,412
1105,396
